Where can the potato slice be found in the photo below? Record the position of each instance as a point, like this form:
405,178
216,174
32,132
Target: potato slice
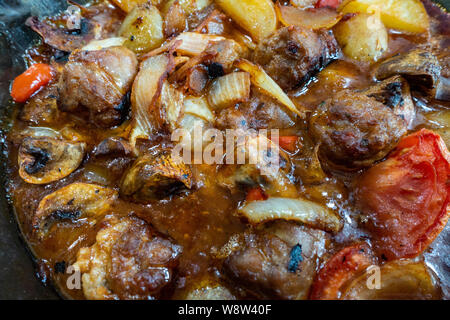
398,280
145,93
362,37
258,17
404,15
143,28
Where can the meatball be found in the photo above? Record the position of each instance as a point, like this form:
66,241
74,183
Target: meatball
293,54
355,130
128,261
269,267
96,82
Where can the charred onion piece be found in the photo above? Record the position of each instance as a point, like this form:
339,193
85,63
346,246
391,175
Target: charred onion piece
262,80
73,202
143,28
44,160
155,177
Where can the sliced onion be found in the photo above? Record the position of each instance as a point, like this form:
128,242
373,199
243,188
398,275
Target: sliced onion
229,89
310,18
262,80
402,279
300,210
194,43
257,17
105,43
39,132
198,106
144,96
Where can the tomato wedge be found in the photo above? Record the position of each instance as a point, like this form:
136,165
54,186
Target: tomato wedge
405,197
34,78
328,3
256,194
339,269
288,143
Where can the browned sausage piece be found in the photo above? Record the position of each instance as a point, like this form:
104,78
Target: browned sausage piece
293,54
128,261
355,130
96,82
279,263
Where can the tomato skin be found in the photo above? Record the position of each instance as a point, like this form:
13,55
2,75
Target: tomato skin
328,3
406,196
27,83
288,143
339,269
255,194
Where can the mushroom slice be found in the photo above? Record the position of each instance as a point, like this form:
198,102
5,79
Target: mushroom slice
75,201
421,68
399,280
145,94
44,160
395,94
300,210
153,177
